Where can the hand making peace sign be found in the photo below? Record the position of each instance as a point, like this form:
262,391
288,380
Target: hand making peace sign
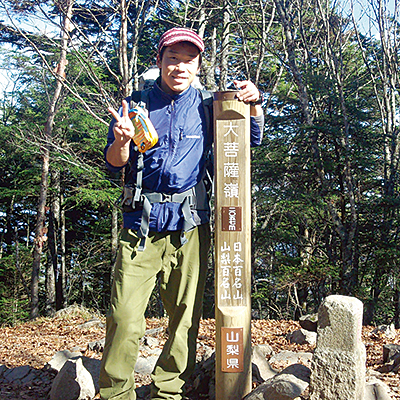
123,128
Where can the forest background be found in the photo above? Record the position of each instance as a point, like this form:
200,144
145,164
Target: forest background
325,181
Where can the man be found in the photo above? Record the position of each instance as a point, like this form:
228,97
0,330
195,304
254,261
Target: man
165,236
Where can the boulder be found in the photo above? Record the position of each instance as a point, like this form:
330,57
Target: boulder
265,349
145,365
376,390
302,336
387,330
95,322
60,358
261,368
309,322
390,351
287,385
77,379
18,373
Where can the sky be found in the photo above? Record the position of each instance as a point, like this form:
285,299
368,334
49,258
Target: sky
363,11
37,25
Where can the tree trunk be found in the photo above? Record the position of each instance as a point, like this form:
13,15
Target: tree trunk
225,50
53,270
396,318
51,265
123,49
61,300
210,77
40,232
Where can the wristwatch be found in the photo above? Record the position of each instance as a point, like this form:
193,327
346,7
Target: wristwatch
257,102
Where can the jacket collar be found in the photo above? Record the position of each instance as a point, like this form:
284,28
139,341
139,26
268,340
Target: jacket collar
169,97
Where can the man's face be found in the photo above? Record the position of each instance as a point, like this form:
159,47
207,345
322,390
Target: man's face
179,66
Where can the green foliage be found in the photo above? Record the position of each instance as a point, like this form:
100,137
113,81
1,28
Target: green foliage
14,301
308,213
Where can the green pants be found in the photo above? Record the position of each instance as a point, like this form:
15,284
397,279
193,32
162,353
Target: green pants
183,272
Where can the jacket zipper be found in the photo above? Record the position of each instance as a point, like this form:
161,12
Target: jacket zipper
170,145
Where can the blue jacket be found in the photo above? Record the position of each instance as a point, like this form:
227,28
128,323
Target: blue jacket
177,162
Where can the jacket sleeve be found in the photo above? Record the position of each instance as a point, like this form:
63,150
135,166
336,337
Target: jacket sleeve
256,130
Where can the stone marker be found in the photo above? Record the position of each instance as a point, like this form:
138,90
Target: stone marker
338,364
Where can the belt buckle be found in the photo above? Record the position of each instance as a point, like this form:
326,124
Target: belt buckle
166,198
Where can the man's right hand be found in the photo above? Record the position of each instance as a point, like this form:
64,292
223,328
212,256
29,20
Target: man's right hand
123,127
118,152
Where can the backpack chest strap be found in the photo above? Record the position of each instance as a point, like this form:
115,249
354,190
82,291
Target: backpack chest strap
185,199
194,198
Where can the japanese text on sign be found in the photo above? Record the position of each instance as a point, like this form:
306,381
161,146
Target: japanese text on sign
231,267
232,349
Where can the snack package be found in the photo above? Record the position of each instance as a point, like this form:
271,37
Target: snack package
145,134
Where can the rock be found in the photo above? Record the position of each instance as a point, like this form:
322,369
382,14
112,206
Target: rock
97,346
338,364
145,365
309,322
33,374
287,385
150,341
202,384
143,392
376,390
154,331
388,330
302,336
79,350
371,373
3,369
206,352
60,358
76,380
391,358
390,351
17,374
261,368
289,357
265,349
91,323
392,365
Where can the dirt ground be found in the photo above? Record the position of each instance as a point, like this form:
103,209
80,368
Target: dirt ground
35,343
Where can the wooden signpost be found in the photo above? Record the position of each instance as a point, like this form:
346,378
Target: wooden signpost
232,246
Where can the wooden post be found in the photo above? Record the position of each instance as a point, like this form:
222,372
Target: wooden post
232,246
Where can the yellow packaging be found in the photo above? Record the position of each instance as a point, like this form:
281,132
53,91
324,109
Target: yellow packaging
145,134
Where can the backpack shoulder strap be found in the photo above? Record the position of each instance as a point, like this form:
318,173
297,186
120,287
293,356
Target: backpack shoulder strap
140,97
207,101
